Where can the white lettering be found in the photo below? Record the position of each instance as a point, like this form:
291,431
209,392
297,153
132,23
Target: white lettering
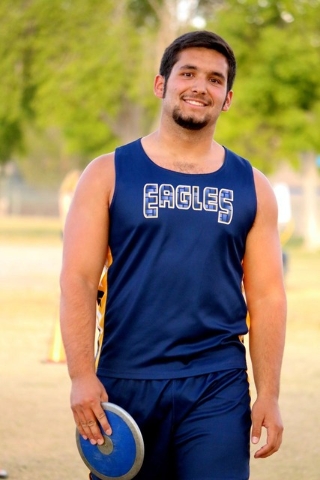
183,197
210,199
186,197
150,200
166,196
226,207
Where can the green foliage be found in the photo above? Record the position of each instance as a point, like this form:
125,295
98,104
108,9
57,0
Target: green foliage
79,67
10,138
84,70
142,13
275,113
91,75
17,85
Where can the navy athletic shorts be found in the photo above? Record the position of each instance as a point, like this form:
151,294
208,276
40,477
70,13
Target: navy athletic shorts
195,428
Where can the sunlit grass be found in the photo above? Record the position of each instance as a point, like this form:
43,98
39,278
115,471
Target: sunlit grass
29,299
29,229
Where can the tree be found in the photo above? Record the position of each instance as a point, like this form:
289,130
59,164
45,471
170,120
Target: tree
17,87
74,72
276,109
76,77
92,75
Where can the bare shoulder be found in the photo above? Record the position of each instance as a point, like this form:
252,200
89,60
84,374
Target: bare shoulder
99,178
266,199
85,233
262,184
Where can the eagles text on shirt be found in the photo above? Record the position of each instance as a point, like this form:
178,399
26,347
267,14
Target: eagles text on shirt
185,197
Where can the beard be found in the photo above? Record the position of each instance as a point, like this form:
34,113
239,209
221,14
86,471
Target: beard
188,122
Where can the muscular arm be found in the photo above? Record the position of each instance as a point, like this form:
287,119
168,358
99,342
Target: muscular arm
84,254
264,288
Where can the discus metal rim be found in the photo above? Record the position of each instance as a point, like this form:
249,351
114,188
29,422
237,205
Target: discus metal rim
137,436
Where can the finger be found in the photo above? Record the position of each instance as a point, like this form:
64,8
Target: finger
265,451
274,439
79,424
103,420
89,425
93,432
90,430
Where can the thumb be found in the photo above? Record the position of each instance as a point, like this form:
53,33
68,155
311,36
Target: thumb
103,394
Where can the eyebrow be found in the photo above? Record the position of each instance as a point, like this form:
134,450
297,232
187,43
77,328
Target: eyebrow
193,67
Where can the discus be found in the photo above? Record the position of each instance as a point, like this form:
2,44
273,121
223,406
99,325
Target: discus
121,456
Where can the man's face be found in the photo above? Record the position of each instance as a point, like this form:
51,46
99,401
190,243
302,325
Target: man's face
196,90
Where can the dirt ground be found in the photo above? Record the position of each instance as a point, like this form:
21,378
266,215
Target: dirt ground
37,435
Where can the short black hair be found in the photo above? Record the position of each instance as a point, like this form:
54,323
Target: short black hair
198,39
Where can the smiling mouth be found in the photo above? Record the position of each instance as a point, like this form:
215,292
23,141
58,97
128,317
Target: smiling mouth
195,103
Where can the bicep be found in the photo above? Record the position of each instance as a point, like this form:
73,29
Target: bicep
263,259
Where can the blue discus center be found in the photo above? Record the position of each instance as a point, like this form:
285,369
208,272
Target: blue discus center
122,458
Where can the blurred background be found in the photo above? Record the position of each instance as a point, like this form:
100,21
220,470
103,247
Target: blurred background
76,80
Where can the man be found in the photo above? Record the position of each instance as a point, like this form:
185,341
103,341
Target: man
182,224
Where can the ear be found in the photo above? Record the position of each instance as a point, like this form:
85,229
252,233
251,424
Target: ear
158,87
227,102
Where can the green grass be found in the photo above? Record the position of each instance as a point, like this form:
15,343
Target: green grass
15,229
31,388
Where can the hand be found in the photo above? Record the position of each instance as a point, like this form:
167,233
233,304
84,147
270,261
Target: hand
266,413
87,393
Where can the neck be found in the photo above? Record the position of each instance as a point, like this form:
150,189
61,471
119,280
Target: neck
189,152
184,143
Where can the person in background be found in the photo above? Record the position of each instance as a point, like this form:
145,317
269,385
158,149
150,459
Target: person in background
66,192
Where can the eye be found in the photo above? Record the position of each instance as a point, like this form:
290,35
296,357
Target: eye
187,74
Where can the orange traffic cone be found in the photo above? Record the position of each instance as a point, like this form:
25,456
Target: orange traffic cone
56,351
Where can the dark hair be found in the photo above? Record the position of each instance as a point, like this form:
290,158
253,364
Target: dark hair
198,39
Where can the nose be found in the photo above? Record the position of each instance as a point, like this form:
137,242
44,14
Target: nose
199,85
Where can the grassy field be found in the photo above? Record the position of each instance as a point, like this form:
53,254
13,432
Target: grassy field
36,427
26,230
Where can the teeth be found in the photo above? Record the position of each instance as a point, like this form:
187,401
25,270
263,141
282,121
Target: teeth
194,102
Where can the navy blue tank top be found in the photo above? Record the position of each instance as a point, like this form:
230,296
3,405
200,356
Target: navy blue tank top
175,306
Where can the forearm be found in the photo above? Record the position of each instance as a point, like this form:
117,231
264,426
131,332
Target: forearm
266,341
77,317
